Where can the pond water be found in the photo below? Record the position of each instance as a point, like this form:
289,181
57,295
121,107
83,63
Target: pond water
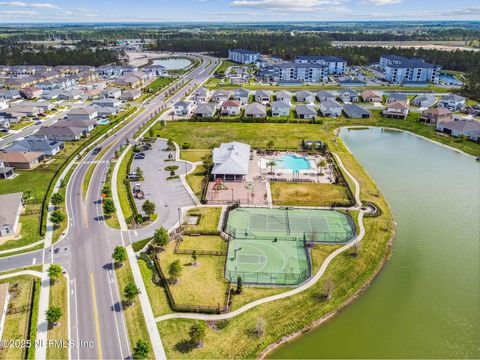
425,302
449,79
173,63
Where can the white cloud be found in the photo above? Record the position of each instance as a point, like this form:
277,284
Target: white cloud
22,4
381,2
17,12
285,5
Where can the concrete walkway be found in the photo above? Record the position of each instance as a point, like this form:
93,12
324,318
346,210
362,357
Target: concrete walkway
155,340
23,272
309,283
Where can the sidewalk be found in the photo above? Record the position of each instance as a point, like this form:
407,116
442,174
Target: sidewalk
155,340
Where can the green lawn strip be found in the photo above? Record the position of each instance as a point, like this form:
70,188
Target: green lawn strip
21,125
123,187
112,221
33,268
195,180
208,218
59,297
194,155
203,243
156,293
33,248
139,245
28,232
133,314
308,194
158,84
224,65
192,288
91,168
16,325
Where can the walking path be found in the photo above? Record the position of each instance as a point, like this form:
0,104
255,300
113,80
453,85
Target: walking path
312,281
23,272
155,340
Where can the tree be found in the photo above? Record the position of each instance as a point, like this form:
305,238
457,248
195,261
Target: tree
271,163
53,314
270,144
194,257
160,237
150,133
321,164
119,254
108,207
471,87
57,199
174,271
54,272
141,350
328,288
197,333
239,285
130,292
62,183
207,162
107,190
149,208
56,217
139,172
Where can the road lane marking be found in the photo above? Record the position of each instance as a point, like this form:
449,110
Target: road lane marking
34,261
77,344
95,315
112,281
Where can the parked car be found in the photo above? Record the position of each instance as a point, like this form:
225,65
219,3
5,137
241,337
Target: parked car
38,122
139,156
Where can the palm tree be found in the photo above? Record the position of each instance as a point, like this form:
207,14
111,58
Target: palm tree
271,163
321,164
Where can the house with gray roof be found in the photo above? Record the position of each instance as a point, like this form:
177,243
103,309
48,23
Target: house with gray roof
263,95
461,127
324,95
241,95
200,95
331,108
280,108
397,97
231,161
131,95
183,108
305,111
36,143
284,95
424,101
355,111
61,132
106,102
86,113
305,96
205,110
348,95
256,110
452,102
221,95
12,207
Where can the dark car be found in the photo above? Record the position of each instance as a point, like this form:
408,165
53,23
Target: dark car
139,156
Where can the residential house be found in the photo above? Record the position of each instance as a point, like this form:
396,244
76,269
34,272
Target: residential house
334,64
42,105
6,172
461,127
105,111
306,111
155,70
396,110
24,109
284,95
21,159
71,94
452,102
256,110
200,95
281,108
243,56
112,93
10,94
183,108
31,92
129,81
324,95
205,110
107,103
86,125
436,115
221,95
241,95
3,104
348,95
263,96
424,101
51,94
131,95
86,113
331,108
20,83
397,97
4,123
305,96
371,96
355,111
231,161
36,144
60,133
230,108
12,207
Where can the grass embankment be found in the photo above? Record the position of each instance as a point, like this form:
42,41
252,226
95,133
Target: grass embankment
123,187
283,317
58,230
59,297
195,180
194,155
17,324
308,194
133,314
208,218
20,125
156,293
158,84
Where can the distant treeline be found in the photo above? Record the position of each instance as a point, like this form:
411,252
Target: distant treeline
23,55
287,46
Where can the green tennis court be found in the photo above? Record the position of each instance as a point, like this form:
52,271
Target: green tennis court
268,245
293,224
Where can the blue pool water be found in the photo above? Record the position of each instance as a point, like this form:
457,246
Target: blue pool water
293,162
103,122
449,79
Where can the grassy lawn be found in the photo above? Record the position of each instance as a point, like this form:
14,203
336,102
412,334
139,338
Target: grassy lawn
29,231
202,284
133,314
21,125
206,242
58,297
308,194
16,325
156,293
224,65
208,219
194,155
158,84
195,179
123,188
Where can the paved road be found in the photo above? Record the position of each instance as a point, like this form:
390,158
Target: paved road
86,251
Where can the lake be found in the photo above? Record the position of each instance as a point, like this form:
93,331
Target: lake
173,63
425,302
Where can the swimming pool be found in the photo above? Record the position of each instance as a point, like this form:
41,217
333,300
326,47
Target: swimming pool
293,162
103,122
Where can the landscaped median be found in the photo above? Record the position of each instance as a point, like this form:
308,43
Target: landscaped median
58,333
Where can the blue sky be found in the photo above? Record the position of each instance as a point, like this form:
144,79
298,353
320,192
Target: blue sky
235,10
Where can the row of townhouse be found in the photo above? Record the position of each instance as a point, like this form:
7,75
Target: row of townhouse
399,69
31,70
